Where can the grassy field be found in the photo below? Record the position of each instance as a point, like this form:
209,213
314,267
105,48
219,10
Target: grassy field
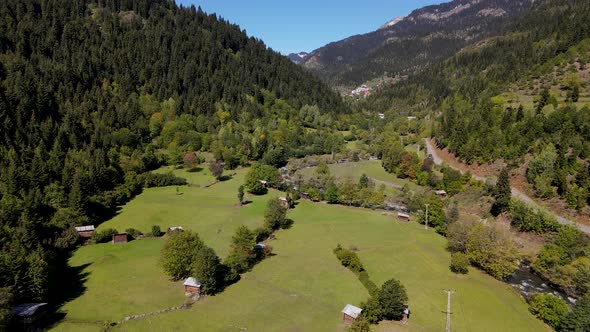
302,288
372,168
212,212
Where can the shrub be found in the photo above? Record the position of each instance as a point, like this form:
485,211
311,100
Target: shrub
161,180
156,231
179,252
133,232
349,259
262,233
372,310
104,236
392,298
459,263
368,283
548,308
275,215
207,269
360,325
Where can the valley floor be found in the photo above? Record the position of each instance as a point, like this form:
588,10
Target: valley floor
302,288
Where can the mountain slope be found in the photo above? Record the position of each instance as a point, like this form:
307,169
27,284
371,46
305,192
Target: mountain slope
518,99
94,94
426,36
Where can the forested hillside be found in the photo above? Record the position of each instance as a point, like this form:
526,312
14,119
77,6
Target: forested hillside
425,37
478,100
95,93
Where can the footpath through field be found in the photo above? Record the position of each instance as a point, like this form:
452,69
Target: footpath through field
515,192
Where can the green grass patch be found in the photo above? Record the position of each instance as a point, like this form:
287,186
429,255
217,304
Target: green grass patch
302,288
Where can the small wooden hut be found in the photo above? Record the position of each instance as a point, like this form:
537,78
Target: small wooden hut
350,314
28,314
285,202
85,232
120,238
403,216
174,229
441,193
192,287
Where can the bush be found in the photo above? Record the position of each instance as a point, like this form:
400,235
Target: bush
179,252
360,325
156,231
275,215
372,310
262,233
207,269
104,236
263,172
548,308
368,283
459,263
161,180
133,232
392,298
349,259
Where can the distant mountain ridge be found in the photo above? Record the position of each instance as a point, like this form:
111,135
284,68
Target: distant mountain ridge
297,57
404,45
392,22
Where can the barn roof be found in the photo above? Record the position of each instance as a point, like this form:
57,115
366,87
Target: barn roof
352,311
84,228
190,281
27,309
259,246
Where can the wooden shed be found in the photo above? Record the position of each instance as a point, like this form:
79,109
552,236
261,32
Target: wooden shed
174,229
350,314
192,287
85,232
441,193
403,216
285,202
120,238
29,313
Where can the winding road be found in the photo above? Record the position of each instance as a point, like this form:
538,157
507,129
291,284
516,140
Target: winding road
515,192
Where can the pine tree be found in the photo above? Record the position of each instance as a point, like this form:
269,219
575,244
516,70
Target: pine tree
503,193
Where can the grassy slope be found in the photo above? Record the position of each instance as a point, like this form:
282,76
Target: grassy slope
302,288
371,168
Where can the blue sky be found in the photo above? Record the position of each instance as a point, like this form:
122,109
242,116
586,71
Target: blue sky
304,25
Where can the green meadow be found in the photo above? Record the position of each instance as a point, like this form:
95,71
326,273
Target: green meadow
372,168
302,287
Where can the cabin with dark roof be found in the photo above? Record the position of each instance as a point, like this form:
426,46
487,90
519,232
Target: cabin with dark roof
28,314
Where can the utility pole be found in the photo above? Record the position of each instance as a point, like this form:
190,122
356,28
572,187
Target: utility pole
426,224
449,292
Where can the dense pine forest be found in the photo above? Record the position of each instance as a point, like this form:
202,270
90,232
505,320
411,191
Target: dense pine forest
93,94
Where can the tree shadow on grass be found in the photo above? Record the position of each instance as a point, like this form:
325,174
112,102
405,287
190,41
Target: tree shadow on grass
224,178
69,284
195,169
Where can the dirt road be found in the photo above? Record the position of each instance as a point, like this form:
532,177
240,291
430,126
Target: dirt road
515,192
